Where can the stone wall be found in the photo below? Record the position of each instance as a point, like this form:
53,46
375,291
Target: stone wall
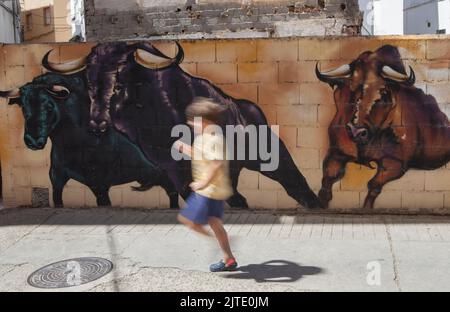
112,20
278,75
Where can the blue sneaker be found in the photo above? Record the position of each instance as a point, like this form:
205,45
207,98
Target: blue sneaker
221,266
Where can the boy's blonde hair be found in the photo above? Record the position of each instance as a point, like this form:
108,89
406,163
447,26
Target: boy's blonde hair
206,108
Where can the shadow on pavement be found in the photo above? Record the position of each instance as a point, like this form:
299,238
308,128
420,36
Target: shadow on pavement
274,271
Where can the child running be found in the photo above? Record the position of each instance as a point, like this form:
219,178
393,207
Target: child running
211,184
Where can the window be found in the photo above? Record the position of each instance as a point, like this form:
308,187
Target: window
47,16
441,31
29,21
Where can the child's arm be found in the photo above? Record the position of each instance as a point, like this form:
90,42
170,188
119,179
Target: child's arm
216,164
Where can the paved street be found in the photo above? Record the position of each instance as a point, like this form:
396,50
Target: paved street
151,252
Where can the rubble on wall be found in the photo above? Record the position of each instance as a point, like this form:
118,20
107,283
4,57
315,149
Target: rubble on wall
222,19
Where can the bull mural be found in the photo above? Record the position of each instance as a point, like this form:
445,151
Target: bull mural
56,106
142,93
382,120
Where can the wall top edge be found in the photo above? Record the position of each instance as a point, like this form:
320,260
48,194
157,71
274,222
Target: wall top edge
322,38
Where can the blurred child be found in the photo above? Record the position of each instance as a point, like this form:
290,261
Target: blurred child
211,184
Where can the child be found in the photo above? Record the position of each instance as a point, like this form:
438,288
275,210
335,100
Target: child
211,185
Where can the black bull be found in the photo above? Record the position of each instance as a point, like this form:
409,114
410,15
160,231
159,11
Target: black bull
143,93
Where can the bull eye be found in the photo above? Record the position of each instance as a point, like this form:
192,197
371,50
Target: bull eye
59,92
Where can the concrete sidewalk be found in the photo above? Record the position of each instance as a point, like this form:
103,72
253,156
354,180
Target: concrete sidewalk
151,252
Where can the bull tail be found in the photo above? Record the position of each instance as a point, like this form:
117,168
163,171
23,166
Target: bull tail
142,187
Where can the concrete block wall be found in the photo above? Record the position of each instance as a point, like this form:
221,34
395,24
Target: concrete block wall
113,19
276,74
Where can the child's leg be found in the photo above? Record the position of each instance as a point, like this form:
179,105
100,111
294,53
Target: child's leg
194,226
222,237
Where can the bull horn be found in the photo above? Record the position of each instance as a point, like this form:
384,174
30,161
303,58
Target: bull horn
15,93
152,61
65,68
339,72
333,75
389,73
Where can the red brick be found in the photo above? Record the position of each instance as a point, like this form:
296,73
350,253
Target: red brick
279,94
277,50
318,49
218,72
258,72
312,137
438,49
236,51
297,115
199,51
316,93
303,71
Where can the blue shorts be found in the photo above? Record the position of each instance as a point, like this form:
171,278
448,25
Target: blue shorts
199,208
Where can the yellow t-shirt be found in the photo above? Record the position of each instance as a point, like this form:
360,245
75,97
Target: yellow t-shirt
208,148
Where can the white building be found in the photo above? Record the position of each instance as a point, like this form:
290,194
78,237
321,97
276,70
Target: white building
426,17
382,17
409,17
77,20
9,21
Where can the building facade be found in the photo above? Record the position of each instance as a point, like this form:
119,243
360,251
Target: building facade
426,17
409,17
117,19
77,20
46,20
9,21
382,17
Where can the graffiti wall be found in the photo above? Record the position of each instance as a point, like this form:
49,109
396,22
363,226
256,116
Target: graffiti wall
363,123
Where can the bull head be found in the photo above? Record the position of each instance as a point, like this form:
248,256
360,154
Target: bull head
368,85
113,83
66,68
41,99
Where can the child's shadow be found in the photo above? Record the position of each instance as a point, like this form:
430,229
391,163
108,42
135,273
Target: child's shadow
274,271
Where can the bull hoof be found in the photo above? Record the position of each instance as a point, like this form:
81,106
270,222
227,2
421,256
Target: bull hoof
104,204
174,206
324,203
313,204
368,206
324,198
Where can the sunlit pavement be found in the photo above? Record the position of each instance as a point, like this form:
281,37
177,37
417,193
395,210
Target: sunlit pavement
152,252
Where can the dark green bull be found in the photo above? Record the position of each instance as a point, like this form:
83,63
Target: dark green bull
56,106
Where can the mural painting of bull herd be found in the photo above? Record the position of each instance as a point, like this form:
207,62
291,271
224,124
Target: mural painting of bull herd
110,114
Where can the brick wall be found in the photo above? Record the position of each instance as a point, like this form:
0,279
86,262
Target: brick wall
279,76
117,19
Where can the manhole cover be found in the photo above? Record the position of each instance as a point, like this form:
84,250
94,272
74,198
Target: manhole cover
68,273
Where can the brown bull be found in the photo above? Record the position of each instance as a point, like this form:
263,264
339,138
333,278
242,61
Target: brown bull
382,120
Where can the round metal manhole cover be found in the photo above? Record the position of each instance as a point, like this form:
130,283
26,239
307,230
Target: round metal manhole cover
69,273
